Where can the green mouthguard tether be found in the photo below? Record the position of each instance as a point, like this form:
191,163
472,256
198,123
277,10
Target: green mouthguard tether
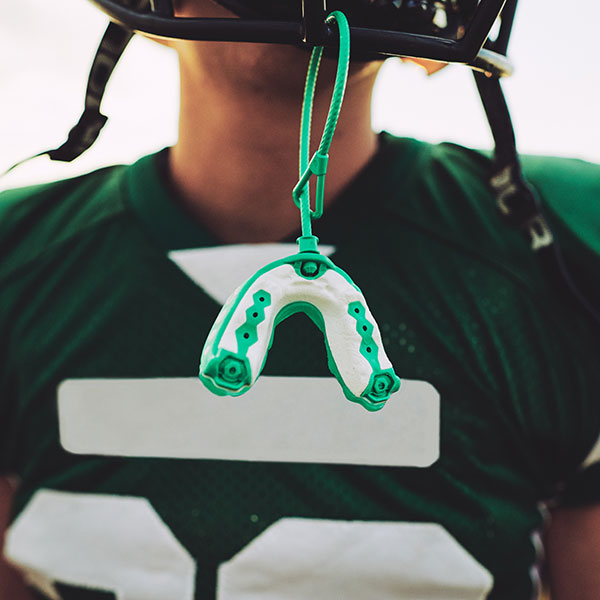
236,347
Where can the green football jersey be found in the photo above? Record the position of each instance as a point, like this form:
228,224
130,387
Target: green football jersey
138,483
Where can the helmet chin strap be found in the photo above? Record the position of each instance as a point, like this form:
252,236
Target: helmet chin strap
517,200
87,129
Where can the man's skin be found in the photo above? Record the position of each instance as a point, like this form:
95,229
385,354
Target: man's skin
11,584
236,160
573,553
235,164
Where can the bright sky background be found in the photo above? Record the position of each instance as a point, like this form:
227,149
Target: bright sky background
46,49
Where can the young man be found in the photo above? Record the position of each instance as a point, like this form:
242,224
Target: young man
110,283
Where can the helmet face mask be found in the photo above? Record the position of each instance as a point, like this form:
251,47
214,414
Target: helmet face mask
442,30
442,18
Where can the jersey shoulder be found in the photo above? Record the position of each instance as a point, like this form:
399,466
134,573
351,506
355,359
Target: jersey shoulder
456,180
36,220
569,188
570,192
444,193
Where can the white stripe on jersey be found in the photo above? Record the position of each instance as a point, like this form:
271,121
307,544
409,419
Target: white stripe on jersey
281,419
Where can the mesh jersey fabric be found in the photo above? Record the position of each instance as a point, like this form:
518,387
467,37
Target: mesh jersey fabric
88,291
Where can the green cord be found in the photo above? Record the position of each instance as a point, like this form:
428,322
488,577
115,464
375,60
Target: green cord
305,127
317,165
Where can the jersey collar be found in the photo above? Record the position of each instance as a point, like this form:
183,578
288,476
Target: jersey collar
162,213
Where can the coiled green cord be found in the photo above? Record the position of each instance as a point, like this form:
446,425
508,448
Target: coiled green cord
317,165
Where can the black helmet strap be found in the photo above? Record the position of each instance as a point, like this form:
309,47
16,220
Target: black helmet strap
516,199
87,129
91,121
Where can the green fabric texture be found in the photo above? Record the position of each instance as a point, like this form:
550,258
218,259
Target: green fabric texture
88,291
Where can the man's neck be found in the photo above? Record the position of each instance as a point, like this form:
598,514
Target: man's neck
236,160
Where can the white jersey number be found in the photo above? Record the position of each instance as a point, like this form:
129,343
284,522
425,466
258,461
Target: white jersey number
112,543
120,544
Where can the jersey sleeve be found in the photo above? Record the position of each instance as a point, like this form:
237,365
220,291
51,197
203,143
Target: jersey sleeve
11,229
21,215
36,222
570,195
